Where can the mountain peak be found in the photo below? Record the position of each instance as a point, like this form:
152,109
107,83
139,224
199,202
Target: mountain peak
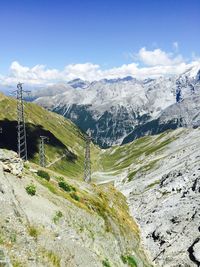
116,80
79,83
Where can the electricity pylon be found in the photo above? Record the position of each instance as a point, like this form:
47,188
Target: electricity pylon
87,165
42,151
21,128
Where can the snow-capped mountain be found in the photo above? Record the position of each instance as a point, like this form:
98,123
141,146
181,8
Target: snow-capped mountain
120,110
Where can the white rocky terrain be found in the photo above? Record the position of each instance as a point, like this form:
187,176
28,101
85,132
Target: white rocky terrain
160,176
113,109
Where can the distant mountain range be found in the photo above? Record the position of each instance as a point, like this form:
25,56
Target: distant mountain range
120,110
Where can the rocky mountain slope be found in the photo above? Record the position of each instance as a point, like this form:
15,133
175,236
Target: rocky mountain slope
160,176
121,110
86,225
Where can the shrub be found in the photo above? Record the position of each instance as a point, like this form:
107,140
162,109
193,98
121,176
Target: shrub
57,216
43,174
31,189
51,257
75,196
33,231
124,259
129,260
59,178
106,263
73,188
66,187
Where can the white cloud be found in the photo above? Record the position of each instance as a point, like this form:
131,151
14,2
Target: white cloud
157,57
158,63
86,71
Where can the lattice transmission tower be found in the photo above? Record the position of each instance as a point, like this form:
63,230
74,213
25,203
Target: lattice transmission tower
21,127
42,151
87,165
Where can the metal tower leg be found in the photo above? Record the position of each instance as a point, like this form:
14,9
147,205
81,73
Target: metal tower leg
42,151
21,128
87,165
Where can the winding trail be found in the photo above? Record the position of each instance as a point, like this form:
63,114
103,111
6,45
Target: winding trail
56,160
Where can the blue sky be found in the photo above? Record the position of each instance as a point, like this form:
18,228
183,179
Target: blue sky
108,32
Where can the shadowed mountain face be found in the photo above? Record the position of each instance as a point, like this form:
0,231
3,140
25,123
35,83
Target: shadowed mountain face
8,138
151,128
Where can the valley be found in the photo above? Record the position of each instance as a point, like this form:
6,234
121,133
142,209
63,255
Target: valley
158,177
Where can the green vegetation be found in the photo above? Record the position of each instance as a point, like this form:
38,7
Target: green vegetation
159,146
131,175
129,260
154,183
138,157
51,257
16,263
31,189
57,217
75,196
43,174
146,167
106,263
33,231
65,186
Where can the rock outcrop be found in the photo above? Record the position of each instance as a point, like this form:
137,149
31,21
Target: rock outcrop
11,162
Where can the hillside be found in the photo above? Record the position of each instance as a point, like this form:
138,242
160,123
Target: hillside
83,225
159,175
66,141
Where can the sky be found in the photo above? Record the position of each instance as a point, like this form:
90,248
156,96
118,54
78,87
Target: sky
48,41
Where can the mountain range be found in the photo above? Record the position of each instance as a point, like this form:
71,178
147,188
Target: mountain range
120,110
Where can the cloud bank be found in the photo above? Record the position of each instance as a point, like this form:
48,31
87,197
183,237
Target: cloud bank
146,64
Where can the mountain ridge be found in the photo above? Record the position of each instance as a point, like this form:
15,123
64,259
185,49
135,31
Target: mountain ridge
113,109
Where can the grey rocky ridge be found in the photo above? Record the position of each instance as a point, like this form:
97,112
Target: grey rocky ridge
121,110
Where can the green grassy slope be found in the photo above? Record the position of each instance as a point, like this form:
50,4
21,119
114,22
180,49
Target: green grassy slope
63,136
138,156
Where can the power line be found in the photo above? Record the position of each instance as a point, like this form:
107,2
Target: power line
21,127
42,150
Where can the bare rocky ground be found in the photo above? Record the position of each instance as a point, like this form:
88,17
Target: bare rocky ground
90,232
165,200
